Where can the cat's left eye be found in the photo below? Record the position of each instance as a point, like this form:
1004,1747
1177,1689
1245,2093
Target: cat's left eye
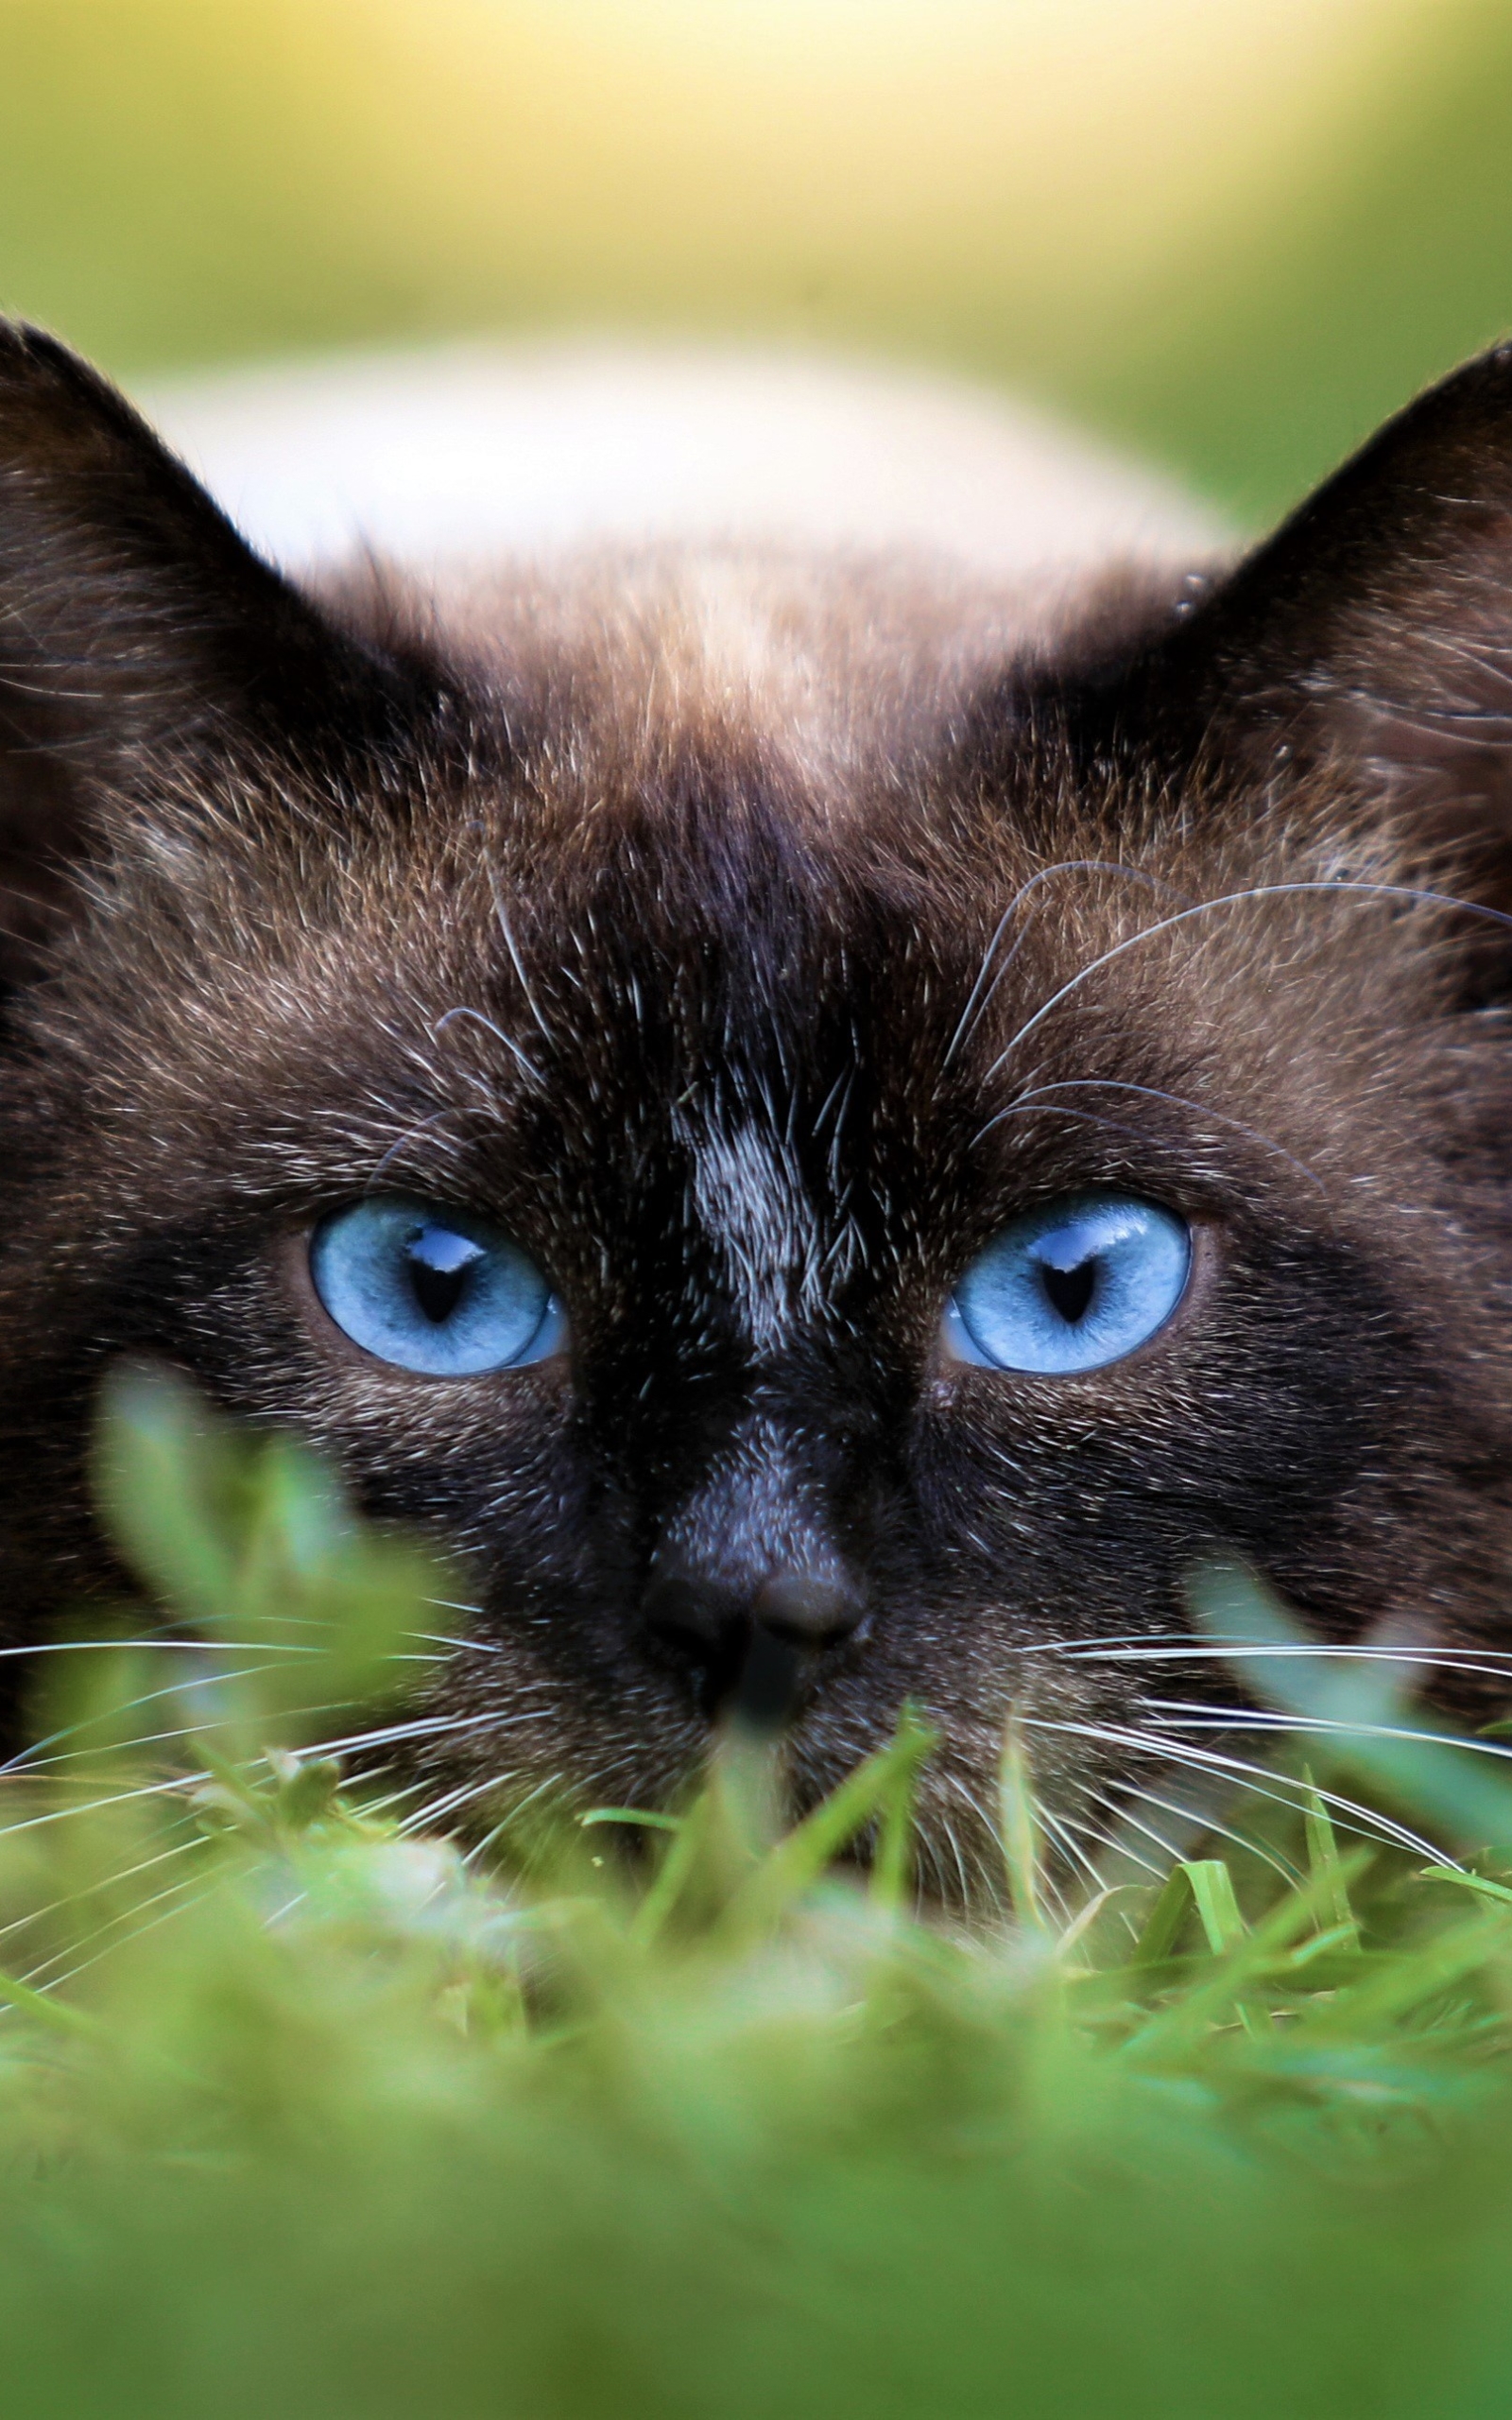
1073,1286
433,1289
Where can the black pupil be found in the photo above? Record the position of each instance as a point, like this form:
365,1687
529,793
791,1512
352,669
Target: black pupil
440,1265
1070,1289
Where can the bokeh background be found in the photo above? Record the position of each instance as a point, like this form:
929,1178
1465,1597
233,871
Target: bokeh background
1230,233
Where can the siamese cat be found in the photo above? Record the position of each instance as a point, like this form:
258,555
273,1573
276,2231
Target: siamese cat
830,1128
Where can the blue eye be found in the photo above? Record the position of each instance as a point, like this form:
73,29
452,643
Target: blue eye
1073,1286
432,1290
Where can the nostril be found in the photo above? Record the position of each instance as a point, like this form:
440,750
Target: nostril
807,1610
694,1613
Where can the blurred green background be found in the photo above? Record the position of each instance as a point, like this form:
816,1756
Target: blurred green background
1232,235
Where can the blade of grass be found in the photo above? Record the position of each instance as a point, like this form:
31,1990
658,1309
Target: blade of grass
1162,1926
1187,2019
1325,1862
797,1861
1213,1889
671,1879
60,2016
893,1857
1480,1882
1020,1827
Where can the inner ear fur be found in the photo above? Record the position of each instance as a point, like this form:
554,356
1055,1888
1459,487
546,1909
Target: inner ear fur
1369,641
139,635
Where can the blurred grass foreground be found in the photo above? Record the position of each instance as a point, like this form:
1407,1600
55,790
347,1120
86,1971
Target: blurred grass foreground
304,2109
1233,238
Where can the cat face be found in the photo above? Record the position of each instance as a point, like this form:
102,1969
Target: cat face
831,1166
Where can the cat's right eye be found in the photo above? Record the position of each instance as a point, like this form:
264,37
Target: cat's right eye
433,1289
1078,1283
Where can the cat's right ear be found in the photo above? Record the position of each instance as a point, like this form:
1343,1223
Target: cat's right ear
140,639
1366,649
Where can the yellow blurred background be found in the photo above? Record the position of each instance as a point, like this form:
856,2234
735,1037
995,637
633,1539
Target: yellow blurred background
1232,234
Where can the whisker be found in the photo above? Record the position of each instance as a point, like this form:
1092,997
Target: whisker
450,1802
420,1727
394,1797
95,1807
1049,1888
1168,1852
1064,1832
423,1126
462,1646
1177,1100
952,1840
1212,1825
32,1762
1114,1638
39,1974
1118,1848
38,1977
127,1873
979,998
427,1815
37,1760
475,1016
516,961
1266,1781
1334,1726
1419,897
1489,1663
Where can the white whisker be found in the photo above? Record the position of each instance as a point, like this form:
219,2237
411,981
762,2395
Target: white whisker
40,1980
1212,1826
1167,1750
1414,1657
195,1842
515,958
1150,1092
423,1126
1330,1726
1385,890
475,1016
980,995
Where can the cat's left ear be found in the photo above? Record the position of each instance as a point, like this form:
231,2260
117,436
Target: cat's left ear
1369,642
143,644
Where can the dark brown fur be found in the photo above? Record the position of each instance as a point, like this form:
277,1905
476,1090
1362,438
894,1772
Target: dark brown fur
814,884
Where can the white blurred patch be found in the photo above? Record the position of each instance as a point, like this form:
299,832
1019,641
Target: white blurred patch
470,451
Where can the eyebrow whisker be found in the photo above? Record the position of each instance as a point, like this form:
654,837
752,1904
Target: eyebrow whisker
1177,1100
1384,890
982,990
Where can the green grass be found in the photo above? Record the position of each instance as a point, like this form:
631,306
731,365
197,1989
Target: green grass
301,2114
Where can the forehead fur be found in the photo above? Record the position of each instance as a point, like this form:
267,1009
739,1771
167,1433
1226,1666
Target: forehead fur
828,675
693,807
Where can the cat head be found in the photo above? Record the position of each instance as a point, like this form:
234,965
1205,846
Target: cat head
830,1152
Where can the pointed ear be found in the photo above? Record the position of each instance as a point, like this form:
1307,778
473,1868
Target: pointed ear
1370,639
139,636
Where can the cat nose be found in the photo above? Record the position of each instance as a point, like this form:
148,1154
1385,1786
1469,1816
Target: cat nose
802,1607
749,1585
751,1643
808,1610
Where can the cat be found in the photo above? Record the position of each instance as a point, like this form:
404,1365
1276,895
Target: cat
833,1143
